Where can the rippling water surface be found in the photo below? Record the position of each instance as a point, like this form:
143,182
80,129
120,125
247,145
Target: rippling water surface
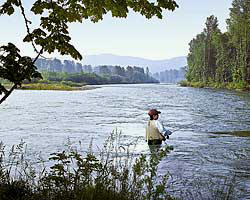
206,146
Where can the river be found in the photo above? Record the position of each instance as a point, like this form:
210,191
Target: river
208,151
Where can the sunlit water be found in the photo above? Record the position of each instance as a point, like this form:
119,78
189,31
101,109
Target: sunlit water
205,146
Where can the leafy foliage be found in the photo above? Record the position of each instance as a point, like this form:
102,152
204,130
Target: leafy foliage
202,56
52,34
14,67
222,57
55,70
93,79
74,176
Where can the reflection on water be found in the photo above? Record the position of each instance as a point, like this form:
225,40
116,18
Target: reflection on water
211,138
235,133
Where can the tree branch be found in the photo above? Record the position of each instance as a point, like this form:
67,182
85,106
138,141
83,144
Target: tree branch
3,89
8,93
39,53
26,24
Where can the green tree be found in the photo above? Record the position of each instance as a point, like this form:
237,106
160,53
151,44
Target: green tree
196,58
147,72
224,58
210,32
15,68
129,72
238,28
202,57
52,34
104,70
118,70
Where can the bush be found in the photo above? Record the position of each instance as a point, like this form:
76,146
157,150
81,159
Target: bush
73,176
183,83
72,84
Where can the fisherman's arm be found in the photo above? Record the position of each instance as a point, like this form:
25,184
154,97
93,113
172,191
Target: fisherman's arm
163,130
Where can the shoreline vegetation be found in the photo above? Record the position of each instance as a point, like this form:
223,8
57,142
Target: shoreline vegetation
104,175
240,86
76,176
52,86
222,59
83,81
55,86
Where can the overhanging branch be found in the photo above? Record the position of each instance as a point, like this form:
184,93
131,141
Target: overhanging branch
8,93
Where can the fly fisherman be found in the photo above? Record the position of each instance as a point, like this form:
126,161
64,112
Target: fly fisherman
155,131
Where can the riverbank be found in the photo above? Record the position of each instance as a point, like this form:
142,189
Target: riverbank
53,86
241,86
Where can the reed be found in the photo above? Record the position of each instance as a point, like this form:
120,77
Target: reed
115,173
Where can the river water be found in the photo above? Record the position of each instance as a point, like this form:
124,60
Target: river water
209,152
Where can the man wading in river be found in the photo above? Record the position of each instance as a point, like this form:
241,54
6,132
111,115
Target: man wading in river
155,131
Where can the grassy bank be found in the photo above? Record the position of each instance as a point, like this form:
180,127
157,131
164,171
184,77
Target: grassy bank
40,86
241,86
52,86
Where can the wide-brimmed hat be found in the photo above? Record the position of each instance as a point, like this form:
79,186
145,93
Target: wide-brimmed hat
153,112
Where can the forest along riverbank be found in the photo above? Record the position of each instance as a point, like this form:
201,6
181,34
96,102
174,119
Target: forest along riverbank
75,80
47,119
216,58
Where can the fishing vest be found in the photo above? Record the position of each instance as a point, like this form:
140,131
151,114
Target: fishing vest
152,132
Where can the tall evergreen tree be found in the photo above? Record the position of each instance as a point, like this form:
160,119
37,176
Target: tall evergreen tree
210,32
238,28
222,57
196,58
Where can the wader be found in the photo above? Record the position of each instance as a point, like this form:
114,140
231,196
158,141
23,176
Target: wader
153,135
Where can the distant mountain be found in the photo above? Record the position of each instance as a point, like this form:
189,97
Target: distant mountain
153,65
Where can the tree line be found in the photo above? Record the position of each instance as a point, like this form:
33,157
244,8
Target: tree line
220,57
56,71
171,76
56,65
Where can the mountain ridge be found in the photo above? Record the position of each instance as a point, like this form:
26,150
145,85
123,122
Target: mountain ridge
153,65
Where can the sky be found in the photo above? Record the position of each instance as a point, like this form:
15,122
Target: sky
136,36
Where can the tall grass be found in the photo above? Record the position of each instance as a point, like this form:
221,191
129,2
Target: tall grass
241,86
116,173
41,86
113,173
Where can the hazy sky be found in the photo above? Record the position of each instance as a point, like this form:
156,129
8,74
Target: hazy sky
134,36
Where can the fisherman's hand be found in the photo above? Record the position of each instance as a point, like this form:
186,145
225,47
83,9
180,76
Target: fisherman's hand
168,132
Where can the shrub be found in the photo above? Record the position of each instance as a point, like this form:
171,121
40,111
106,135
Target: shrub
183,83
72,84
74,176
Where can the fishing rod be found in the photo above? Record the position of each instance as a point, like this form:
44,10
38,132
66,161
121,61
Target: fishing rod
168,132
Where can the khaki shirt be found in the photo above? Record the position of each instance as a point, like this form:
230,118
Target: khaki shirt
152,132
